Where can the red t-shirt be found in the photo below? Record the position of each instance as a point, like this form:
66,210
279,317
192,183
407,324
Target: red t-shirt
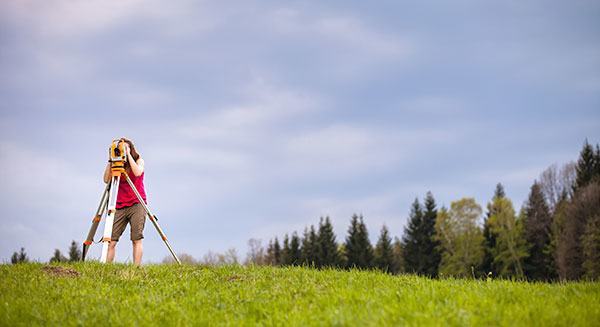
126,197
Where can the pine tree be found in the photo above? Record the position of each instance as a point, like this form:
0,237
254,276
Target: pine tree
276,252
295,252
327,252
285,252
14,259
384,253
430,256
23,256
586,166
411,240
537,225
270,257
309,247
499,191
359,251
351,251
58,257
74,252
365,242
19,257
489,243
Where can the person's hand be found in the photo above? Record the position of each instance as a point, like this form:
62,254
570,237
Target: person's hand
127,149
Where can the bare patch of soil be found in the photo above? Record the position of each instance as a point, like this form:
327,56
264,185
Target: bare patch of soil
233,278
60,271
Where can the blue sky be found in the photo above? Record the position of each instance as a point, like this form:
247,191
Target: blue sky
255,118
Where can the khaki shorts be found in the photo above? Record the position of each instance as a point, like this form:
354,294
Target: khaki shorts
135,215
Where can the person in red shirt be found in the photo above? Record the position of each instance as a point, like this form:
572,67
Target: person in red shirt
129,210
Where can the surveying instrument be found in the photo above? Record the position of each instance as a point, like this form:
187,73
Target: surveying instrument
108,202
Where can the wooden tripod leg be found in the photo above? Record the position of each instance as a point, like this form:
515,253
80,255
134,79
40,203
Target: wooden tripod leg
95,222
152,218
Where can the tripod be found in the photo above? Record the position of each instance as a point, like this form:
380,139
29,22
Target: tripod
108,204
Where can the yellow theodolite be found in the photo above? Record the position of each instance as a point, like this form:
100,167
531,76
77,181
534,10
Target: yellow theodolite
117,158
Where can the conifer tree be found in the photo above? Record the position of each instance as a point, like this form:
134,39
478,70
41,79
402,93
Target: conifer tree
537,225
276,252
489,243
14,259
74,252
295,252
58,257
411,241
384,253
586,166
359,251
365,242
270,257
285,251
309,247
327,252
351,252
19,257
430,256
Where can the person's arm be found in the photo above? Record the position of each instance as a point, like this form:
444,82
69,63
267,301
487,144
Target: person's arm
137,168
107,173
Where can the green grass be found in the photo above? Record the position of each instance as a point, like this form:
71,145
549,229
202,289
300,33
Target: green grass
105,295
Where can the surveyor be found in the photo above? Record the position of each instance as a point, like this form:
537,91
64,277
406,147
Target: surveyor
128,207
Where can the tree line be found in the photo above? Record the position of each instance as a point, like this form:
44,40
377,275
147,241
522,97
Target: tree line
73,252
554,236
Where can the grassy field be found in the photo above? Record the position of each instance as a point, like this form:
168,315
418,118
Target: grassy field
95,294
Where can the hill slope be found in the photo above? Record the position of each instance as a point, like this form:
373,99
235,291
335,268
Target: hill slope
95,294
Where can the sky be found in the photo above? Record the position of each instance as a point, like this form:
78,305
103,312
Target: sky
256,118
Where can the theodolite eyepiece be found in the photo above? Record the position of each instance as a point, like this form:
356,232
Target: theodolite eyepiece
117,151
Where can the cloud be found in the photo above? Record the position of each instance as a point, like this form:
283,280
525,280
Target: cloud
63,18
343,31
68,20
263,108
47,180
337,150
255,118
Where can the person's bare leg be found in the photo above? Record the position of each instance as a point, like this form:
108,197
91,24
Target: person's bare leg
111,251
137,252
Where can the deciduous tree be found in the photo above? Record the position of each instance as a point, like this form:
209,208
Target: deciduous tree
460,237
510,248
576,252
